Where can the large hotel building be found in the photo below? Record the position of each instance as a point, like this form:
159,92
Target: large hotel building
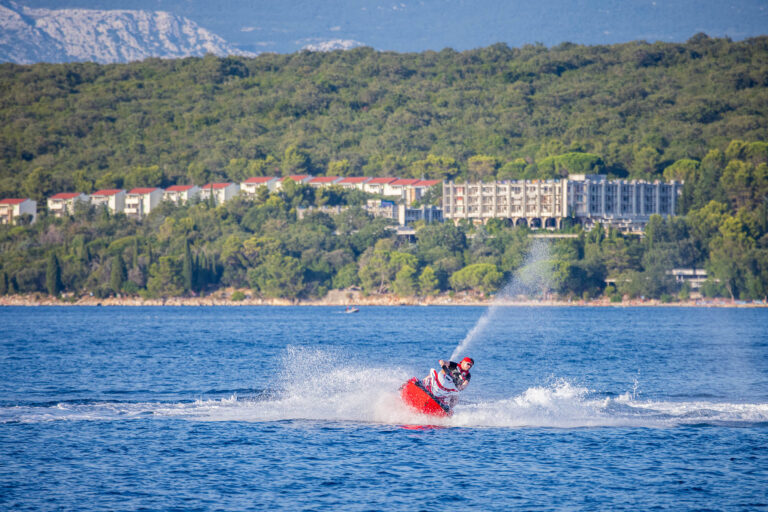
588,199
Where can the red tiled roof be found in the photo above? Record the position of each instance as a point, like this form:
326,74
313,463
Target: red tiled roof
296,177
107,192
12,201
260,179
403,183
427,183
179,188
355,179
215,186
381,181
324,179
145,190
65,195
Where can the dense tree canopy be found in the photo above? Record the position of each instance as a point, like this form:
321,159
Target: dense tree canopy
629,109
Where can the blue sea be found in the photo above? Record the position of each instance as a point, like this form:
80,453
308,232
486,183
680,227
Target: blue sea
296,408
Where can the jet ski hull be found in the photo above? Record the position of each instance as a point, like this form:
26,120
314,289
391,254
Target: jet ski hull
420,400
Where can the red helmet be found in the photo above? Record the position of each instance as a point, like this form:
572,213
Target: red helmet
468,360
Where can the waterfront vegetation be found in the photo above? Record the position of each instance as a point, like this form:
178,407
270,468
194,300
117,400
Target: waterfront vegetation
261,244
695,112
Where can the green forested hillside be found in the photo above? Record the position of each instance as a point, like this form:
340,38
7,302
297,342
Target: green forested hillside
694,112
498,111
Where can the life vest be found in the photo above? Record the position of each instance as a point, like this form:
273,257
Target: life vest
440,384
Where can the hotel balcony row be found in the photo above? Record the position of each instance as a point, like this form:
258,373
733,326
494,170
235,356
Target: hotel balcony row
588,199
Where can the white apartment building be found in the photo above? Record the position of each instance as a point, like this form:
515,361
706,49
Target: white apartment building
12,209
588,199
357,182
251,185
181,193
222,192
64,203
140,201
377,185
113,199
398,187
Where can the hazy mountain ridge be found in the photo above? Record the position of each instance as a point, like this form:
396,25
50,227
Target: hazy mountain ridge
33,35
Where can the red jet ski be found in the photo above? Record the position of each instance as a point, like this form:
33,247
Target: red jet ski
420,400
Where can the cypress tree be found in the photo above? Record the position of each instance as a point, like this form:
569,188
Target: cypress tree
135,254
212,199
53,275
117,275
3,283
187,271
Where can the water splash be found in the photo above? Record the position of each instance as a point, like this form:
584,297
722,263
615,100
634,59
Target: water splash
532,280
561,404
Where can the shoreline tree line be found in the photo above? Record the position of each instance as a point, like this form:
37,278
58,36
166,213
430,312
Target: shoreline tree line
261,244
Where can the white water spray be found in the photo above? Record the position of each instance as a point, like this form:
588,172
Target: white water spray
532,279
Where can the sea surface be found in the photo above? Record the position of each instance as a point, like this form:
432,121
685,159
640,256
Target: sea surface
296,408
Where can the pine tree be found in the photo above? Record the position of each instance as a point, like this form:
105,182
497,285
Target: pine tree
53,275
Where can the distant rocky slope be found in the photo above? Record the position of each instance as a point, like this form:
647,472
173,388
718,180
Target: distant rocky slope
44,35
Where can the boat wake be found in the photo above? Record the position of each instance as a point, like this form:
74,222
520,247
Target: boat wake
314,386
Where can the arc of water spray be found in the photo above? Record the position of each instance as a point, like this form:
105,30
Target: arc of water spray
533,278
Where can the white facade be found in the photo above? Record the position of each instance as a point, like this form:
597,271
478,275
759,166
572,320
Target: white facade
377,185
140,201
398,187
181,193
251,185
625,204
407,216
12,209
222,192
113,199
64,203
589,199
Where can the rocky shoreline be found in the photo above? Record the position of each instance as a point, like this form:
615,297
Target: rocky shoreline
343,298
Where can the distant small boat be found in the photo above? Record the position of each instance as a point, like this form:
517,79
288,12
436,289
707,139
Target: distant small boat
351,309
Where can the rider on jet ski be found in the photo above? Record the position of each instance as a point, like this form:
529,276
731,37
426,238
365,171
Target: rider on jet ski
445,385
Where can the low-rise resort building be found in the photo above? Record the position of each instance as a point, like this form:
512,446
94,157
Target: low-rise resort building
12,210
